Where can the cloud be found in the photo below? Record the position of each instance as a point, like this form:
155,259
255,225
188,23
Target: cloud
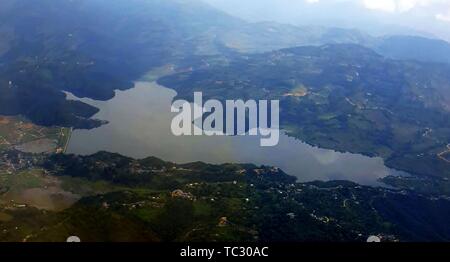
443,17
402,6
381,5
312,1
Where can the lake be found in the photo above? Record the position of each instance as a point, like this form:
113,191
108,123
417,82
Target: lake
139,126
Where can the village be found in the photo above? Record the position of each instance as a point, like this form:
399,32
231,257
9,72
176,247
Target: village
23,145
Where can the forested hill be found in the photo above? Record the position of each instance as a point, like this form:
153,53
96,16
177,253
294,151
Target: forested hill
90,48
93,47
344,97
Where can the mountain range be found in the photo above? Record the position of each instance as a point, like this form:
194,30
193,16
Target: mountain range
93,47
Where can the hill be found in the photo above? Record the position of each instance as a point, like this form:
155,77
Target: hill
352,99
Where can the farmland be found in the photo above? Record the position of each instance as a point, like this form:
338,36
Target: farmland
20,134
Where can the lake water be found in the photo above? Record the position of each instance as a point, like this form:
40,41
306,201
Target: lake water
139,126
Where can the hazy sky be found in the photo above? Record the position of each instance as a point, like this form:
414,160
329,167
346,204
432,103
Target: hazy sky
377,16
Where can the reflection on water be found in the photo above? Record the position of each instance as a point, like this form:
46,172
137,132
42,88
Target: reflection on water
139,126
